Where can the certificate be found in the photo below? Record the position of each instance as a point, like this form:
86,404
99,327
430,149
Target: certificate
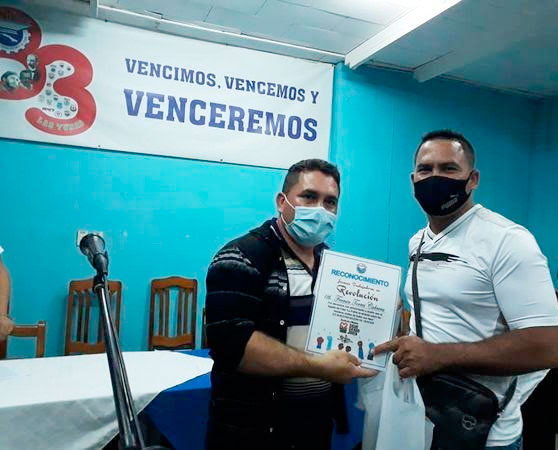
355,306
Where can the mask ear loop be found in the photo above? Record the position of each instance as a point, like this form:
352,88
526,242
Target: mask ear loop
471,174
469,179
281,214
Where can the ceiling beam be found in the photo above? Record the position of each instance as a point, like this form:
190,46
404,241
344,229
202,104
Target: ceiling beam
93,8
481,45
409,22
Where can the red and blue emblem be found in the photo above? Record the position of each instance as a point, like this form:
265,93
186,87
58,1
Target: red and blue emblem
54,76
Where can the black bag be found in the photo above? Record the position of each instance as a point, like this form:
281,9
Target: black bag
462,410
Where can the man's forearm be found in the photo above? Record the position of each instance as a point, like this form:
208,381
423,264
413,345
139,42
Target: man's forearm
515,352
264,355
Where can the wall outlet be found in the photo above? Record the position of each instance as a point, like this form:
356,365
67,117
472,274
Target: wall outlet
81,233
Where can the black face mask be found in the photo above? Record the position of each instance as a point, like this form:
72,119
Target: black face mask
440,196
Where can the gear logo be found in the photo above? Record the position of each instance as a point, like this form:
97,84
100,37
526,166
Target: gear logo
14,37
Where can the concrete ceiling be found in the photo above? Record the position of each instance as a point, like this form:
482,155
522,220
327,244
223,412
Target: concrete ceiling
505,44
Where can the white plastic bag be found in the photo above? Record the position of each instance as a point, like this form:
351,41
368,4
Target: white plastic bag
402,422
370,399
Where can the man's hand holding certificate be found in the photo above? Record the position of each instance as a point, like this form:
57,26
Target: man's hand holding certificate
355,307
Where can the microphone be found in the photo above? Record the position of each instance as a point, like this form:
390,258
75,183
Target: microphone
93,246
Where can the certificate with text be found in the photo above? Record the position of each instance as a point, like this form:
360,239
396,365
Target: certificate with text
355,307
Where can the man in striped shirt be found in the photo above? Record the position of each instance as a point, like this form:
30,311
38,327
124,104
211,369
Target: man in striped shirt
267,393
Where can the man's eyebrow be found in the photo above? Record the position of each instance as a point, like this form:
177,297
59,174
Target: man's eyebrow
423,166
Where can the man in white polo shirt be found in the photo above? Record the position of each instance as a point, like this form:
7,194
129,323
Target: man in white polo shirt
488,304
6,324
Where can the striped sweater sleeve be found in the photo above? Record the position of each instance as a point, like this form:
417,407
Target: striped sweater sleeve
234,306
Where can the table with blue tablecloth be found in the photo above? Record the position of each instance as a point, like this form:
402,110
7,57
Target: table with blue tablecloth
180,413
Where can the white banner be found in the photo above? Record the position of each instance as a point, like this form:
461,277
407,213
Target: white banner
80,81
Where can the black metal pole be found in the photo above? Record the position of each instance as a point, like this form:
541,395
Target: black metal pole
93,246
128,425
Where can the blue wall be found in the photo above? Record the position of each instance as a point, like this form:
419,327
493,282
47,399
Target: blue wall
543,199
378,119
165,216
161,217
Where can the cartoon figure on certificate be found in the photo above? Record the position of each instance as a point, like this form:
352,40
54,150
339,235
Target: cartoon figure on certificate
360,350
370,356
329,342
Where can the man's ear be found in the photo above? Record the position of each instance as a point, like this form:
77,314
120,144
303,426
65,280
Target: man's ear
280,201
475,179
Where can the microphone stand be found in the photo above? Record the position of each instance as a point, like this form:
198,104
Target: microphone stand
130,433
128,425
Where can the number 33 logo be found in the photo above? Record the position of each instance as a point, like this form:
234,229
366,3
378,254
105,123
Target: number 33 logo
55,76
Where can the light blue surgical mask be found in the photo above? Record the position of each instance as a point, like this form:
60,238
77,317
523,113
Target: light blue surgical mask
311,224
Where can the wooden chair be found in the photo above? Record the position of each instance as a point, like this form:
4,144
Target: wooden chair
37,331
183,335
84,333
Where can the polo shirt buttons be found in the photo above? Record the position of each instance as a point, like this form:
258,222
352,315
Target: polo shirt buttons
284,288
282,323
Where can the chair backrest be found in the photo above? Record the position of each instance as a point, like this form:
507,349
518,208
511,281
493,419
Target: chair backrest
163,307
84,333
37,331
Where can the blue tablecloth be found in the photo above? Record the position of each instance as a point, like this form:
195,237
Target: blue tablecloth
180,413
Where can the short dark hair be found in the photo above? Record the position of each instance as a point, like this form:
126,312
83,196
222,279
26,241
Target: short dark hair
7,74
451,136
310,165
